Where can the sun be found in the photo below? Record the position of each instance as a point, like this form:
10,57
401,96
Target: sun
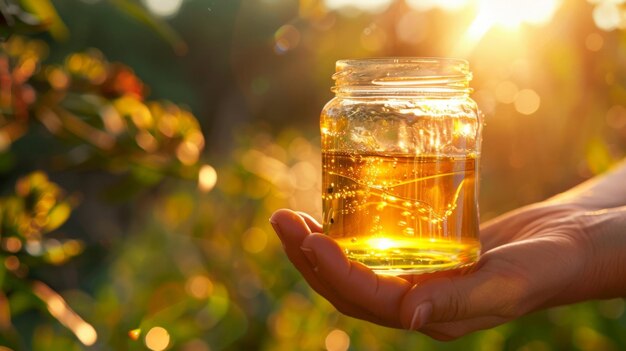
509,14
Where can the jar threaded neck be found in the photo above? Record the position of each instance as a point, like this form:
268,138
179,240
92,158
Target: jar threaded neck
402,76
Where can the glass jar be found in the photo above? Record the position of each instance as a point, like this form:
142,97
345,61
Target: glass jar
400,153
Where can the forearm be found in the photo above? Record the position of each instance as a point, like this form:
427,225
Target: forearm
604,191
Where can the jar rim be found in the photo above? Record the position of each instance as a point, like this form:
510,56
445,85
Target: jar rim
400,60
402,75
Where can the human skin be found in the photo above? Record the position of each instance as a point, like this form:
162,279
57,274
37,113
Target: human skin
566,249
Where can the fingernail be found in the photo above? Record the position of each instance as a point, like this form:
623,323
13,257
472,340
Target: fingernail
421,315
276,229
310,255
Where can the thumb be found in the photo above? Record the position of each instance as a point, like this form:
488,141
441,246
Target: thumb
450,299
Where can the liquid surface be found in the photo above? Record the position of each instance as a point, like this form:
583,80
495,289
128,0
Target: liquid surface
402,214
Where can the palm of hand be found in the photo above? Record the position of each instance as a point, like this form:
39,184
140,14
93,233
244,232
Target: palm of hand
531,258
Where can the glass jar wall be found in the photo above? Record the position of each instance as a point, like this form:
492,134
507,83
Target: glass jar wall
400,153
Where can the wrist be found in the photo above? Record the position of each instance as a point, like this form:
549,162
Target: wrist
605,241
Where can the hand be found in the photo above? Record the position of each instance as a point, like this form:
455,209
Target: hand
538,256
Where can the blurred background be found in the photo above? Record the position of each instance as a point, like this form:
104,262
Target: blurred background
145,143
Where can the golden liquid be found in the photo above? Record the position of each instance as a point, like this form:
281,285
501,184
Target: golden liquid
402,214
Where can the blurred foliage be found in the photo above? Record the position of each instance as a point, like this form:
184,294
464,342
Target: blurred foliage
98,107
139,257
97,111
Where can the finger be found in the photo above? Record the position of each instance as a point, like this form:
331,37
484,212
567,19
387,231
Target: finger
454,330
292,230
457,298
379,295
311,222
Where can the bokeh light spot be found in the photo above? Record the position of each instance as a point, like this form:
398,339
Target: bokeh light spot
134,334
146,141
586,338
199,286
86,334
506,92
616,117
12,263
187,153
412,27
34,247
12,244
486,100
163,8
207,178
337,340
254,240
72,247
284,325
176,209
373,38
607,16
611,309
286,38
594,42
5,141
373,6
112,120
157,339
305,175
527,102
425,5
59,309
58,79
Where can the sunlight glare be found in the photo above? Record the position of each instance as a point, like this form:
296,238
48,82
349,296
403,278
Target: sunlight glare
513,13
509,14
381,243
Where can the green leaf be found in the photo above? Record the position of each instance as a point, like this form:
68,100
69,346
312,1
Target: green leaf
59,214
45,11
